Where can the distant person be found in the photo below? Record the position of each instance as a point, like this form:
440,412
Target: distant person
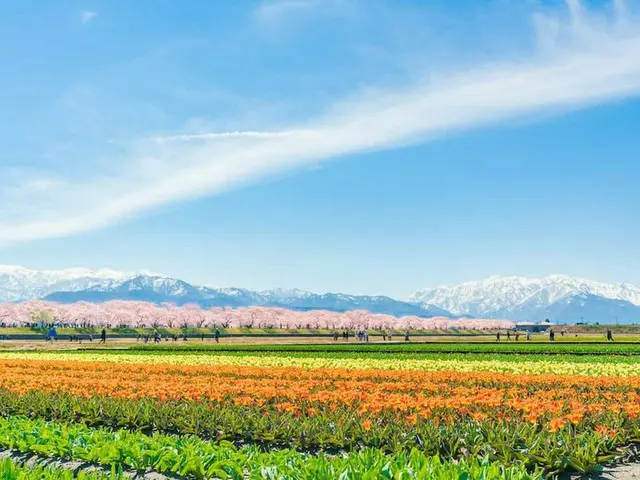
335,336
517,335
562,332
217,336
609,335
346,335
497,336
103,336
528,336
202,336
384,336
552,335
508,335
406,336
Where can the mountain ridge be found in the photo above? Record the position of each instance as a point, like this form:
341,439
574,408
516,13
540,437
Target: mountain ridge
524,298
169,290
561,298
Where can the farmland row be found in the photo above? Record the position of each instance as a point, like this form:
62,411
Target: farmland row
15,470
485,344
622,367
191,457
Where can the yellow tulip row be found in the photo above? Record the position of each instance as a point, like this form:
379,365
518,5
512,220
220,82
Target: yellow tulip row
559,367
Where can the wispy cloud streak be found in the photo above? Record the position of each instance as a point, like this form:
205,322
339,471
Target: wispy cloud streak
187,137
593,60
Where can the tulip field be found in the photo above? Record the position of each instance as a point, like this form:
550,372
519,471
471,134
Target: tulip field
405,412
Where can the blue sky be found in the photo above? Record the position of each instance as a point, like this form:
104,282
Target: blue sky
334,145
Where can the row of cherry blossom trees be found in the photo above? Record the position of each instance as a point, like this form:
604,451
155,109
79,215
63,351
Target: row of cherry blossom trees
133,314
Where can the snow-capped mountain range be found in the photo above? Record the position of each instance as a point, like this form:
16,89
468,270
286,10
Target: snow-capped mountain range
561,298
79,284
520,298
19,283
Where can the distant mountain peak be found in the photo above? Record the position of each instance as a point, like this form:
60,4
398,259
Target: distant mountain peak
62,274
19,283
521,298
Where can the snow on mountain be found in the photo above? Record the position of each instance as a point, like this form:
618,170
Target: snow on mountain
158,289
559,297
19,283
523,298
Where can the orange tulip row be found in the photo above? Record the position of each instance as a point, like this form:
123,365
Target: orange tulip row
413,394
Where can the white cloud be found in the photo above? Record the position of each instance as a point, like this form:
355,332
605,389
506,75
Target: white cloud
87,15
187,137
592,61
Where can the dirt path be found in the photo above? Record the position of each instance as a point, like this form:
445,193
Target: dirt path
614,472
622,472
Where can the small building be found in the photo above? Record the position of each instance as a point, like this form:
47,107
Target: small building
534,327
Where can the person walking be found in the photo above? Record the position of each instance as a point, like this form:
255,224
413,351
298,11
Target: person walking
508,335
103,336
217,336
528,336
552,335
497,336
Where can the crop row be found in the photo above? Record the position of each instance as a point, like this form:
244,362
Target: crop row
502,435
504,347
13,470
558,367
373,387
469,356
192,457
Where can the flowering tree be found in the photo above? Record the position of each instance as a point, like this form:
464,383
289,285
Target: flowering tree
135,314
